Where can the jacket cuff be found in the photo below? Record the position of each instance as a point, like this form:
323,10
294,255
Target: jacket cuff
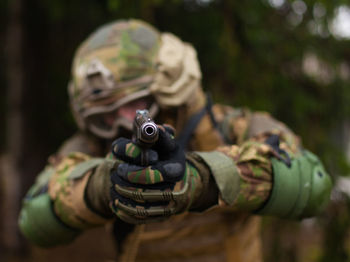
225,173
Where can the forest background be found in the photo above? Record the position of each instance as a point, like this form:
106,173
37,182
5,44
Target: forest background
290,58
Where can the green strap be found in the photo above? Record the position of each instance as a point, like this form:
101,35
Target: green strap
39,224
41,181
85,166
225,173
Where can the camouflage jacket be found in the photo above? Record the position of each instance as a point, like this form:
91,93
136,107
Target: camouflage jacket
240,135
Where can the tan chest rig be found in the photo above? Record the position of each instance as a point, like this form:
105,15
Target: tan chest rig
215,235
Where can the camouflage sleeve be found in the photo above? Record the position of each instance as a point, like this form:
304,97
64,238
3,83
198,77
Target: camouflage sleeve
56,208
254,168
77,143
67,189
248,155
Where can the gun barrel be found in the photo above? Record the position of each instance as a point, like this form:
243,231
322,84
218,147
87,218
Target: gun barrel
145,130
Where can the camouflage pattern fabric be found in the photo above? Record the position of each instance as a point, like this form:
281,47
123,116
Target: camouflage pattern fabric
253,157
127,49
244,144
224,232
66,189
252,160
233,123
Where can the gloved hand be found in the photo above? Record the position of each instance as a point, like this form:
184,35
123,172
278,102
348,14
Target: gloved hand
167,185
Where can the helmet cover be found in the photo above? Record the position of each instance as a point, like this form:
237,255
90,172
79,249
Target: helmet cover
114,66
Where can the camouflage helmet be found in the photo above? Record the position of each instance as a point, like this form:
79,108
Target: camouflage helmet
113,66
125,61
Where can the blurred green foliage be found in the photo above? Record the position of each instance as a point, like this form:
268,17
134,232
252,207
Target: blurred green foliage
271,55
249,49
336,225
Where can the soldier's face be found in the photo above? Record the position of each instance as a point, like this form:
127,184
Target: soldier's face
127,112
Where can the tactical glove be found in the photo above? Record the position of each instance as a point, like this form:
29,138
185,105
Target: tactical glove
167,185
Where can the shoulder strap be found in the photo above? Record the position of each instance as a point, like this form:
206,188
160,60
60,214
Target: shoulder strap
193,122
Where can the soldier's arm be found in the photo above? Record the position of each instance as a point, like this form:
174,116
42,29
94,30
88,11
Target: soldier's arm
62,202
265,170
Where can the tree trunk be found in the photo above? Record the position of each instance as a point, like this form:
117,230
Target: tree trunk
10,163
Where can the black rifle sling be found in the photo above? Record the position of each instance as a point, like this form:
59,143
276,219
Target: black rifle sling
193,122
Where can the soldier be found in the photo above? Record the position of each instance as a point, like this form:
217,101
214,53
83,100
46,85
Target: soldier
204,190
